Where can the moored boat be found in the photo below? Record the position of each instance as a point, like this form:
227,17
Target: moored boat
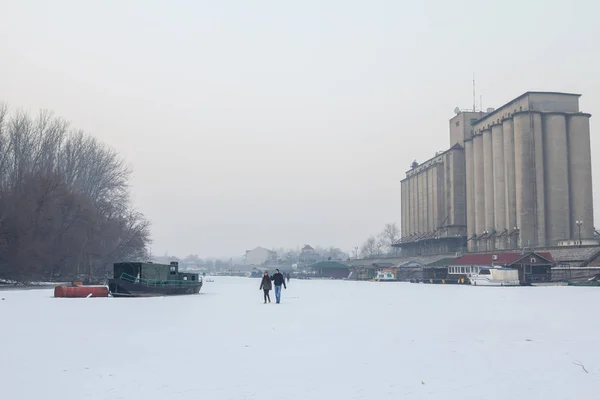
385,276
137,279
495,276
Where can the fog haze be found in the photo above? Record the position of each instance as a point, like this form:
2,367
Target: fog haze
279,123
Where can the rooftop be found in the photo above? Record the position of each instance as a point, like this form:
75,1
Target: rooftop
486,116
454,147
507,258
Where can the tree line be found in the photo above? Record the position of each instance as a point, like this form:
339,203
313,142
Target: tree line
65,210
382,244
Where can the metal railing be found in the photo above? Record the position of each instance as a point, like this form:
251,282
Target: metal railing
156,282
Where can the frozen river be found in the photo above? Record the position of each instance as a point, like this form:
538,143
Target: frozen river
331,340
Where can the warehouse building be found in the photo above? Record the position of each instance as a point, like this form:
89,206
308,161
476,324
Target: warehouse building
517,176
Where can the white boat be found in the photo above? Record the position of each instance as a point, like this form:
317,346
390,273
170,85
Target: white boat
495,276
385,276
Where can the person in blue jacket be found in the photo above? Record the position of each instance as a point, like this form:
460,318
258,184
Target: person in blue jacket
278,280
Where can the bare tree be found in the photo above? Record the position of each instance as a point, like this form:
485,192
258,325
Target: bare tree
369,248
388,237
64,201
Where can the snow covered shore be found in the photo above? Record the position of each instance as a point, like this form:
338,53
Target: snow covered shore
327,340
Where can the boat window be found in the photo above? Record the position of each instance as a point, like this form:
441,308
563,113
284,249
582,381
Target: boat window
172,270
185,278
485,272
193,277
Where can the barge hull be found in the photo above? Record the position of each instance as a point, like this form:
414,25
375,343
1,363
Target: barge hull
122,288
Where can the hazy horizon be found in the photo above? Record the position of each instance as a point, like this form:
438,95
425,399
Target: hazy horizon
275,124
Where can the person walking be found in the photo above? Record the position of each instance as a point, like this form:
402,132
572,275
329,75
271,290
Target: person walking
278,280
265,286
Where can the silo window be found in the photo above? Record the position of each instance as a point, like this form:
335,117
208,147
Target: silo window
457,123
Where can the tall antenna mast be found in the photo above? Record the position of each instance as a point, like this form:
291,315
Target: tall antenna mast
474,92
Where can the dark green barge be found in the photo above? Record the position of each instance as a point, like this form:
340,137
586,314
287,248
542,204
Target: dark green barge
138,279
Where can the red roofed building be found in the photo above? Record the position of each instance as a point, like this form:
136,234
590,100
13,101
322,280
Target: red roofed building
533,267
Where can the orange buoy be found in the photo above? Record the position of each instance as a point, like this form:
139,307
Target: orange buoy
81,291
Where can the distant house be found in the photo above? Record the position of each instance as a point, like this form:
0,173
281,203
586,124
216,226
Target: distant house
532,266
261,256
308,255
331,269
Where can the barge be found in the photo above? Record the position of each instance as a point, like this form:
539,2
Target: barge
139,279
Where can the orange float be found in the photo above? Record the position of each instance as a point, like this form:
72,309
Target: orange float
81,291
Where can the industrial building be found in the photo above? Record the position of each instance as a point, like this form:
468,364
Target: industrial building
517,176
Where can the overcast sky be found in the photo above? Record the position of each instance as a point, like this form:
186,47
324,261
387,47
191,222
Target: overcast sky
281,123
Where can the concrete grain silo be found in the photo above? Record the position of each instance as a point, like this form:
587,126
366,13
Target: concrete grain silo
435,197
413,214
478,184
430,200
488,176
499,184
509,180
557,178
580,175
470,190
521,172
540,199
525,178
406,210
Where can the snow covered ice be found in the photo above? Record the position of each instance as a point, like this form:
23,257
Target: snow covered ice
326,340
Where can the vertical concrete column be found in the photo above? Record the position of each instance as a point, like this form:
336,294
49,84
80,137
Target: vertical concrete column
418,198
488,184
499,183
470,191
580,175
402,207
556,160
524,177
422,204
408,209
411,207
434,196
459,193
450,189
441,173
540,192
509,178
478,183
425,202
430,188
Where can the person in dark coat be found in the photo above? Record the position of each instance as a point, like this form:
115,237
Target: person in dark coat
278,280
265,285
